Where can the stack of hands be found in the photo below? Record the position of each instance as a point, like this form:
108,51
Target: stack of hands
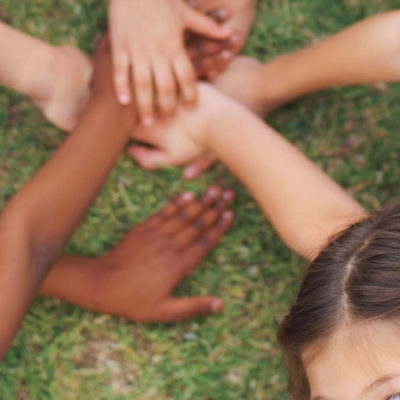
163,61
143,84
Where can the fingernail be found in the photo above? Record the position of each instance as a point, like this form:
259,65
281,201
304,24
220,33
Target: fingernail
148,120
191,172
225,30
212,191
227,215
235,38
227,195
187,196
216,306
222,13
226,54
124,98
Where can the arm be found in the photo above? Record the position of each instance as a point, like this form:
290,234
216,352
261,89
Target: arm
305,206
39,220
56,78
367,52
136,279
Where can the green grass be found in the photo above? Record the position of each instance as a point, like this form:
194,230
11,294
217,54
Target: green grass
63,352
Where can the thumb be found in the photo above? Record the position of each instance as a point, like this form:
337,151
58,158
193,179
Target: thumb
177,309
150,158
197,22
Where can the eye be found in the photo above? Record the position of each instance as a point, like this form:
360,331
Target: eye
394,397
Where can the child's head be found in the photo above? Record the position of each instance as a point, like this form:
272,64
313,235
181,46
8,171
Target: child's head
342,336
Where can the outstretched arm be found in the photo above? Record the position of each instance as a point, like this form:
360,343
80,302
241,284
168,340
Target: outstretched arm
366,52
40,218
305,206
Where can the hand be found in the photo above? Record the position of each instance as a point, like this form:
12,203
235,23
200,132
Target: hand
148,40
137,278
181,140
102,86
211,57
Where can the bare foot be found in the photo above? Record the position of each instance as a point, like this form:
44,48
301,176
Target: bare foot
62,98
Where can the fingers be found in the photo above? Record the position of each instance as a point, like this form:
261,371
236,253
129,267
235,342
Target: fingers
165,87
186,78
211,57
198,167
198,250
189,211
204,221
205,25
175,309
169,210
143,82
150,158
121,75
220,14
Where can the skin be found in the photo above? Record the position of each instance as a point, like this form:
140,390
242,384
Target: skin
211,57
141,53
136,279
39,220
356,363
56,78
305,206
367,52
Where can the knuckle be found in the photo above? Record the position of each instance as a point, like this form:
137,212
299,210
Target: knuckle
206,242
199,225
167,89
188,79
143,84
182,216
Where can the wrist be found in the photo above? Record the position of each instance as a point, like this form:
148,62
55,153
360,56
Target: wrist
122,116
278,80
216,109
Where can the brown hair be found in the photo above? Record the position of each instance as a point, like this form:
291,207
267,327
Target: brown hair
356,278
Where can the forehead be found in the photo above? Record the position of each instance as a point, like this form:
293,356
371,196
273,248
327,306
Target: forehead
353,358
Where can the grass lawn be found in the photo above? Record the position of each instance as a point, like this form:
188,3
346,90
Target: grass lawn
63,352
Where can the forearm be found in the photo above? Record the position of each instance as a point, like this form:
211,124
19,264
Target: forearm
74,280
366,52
41,217
23,59
56,199
304,205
